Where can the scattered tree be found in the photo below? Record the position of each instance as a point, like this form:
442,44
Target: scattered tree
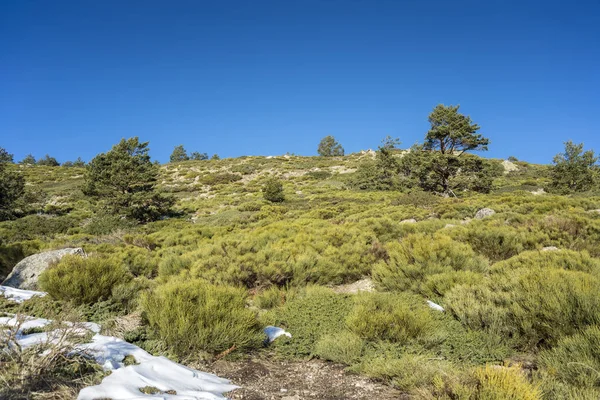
79,163
574,170
215,157
179,154
28,160
198,156
48,161
12,186
329,147
452,132
273,190
124,180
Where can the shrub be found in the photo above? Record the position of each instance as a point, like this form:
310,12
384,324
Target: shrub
313,313
504,383
273,191
82,280
343,347
417,256
389,316
437,285
575,360
537,307
192,315
270,298
562,259
172,265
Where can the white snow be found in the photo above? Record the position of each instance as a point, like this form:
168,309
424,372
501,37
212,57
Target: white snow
274,332
19,295
435,306
124,382
158,372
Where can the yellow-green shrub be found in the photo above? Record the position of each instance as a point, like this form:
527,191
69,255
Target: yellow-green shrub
343,347
504,383
389,316
83,280
418,256
536,306
575,360
192,315
561,259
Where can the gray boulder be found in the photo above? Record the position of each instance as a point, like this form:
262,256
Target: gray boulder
26,273
484,212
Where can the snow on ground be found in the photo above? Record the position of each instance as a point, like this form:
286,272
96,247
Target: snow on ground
19,295
170,380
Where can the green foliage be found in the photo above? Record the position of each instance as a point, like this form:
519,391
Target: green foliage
48,161
270,298
575,359
192,315
343,347
452,132
574,170
124,179
179,154
273,191
417,257
198,156
310,315
389,316
329,147
12,186
504,383
28,160
82,280
536,307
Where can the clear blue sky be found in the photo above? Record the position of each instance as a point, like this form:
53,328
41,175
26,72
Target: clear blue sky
254,77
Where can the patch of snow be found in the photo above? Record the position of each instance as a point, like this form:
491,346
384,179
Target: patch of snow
435,306
165,375
19,295
274,332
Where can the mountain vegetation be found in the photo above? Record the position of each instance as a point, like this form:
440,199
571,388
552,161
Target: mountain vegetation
207,252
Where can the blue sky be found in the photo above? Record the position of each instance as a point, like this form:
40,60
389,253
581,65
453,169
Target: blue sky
269,77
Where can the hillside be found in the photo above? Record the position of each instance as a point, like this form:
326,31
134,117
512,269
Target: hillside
519,286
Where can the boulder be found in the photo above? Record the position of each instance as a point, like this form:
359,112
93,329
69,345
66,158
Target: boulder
409,221
509,166
484,212
26,273
550,248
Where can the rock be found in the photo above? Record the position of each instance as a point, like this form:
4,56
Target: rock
465,221
550,248
449,226
484,212
364,285
509,166
409,221
26,273
538,192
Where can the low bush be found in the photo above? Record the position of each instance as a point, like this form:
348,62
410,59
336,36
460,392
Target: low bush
575,360
311,314
504,383
414,258
273,191
192,315
270,298
537,307
83,280
343,347
560,259
389,316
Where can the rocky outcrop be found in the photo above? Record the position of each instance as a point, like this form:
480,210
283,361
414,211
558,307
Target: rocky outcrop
26,273
484,212
509,166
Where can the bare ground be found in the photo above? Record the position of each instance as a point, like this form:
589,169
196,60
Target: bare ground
261,379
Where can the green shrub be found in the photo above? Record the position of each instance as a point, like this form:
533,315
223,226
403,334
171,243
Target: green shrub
389,316
575,360
192,315
310,315
83,280
560,259
504,383
172,265
270,298
273,190
104,224
220,179
418,256
343,347
437,285
537,306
